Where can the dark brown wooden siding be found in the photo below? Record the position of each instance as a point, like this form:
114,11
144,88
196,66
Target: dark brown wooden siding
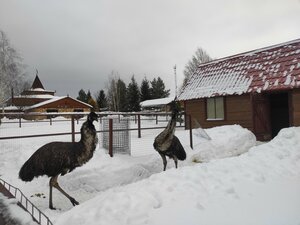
238,110
296,107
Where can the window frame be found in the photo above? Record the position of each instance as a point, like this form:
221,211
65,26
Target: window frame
215,109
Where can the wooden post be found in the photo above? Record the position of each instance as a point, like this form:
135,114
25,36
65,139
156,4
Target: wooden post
191,131
156,119
20,123
110,145
139,126
73,128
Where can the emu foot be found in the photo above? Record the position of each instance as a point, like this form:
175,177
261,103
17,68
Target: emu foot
51,207
73,201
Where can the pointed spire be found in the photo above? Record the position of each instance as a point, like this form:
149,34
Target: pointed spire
37,83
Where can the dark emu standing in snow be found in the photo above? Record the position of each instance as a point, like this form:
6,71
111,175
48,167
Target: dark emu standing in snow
59,158
166,143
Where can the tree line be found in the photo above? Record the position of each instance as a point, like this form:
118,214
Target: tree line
119,96
122,97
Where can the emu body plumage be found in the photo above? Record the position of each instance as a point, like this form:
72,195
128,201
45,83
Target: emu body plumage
167,144
58,158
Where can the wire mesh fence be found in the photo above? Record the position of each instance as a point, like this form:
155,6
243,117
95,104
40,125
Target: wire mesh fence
120,137
37,215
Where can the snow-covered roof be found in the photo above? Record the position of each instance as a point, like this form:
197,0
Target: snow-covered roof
273,68
54,99
43,96
156,102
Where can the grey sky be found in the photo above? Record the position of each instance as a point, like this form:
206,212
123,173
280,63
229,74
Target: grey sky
77,43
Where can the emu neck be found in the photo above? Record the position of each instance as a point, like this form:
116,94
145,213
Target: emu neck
89,141
164,139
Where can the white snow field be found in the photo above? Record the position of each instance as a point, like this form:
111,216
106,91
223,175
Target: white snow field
227,180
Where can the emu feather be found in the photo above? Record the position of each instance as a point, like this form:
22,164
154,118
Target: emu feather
58,158
167,144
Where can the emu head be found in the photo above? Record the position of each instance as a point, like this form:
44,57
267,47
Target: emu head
175,108
92,117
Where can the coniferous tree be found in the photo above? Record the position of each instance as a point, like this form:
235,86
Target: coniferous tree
158,89
122,90
145,90
133,96
88,96
82,96
101,100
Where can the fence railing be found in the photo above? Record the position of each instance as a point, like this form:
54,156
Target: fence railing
37,215
72,117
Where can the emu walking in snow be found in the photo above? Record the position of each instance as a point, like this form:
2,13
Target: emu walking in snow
59,158
167,144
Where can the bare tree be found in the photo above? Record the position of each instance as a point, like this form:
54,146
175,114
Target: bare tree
12,69
200,56
116,93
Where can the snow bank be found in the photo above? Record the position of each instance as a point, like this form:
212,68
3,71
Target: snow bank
12,213
259,187
225,141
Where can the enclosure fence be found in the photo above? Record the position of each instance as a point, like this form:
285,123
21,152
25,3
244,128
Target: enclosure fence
115,131
37,215
114,128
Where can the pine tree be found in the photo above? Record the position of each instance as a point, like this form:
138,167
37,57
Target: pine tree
158,89
133,96
145,90
122,92
101,100
82,96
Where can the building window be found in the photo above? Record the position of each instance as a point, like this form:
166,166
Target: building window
215,108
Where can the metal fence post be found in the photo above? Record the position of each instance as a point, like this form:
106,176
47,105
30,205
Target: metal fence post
110,145
73,128
191,131
139,126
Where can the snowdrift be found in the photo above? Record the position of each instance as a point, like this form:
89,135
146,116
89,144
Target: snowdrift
259,187
225,141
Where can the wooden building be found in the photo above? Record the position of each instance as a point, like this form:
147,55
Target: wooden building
260,90
37,99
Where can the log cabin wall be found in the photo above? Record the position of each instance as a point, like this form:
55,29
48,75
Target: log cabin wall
238,110
296,107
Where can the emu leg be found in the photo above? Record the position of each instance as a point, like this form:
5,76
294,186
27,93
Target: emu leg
50,194
164,160
55,184
175,160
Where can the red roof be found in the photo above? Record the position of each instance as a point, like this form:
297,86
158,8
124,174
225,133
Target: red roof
273,68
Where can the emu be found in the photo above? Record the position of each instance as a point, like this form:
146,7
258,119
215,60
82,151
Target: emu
58,158
167,144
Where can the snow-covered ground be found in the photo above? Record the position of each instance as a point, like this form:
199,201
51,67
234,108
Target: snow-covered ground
226,180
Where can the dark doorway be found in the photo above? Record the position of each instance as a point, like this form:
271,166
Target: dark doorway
279,112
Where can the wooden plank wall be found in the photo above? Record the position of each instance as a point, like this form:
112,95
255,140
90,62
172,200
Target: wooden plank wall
238,110
296,107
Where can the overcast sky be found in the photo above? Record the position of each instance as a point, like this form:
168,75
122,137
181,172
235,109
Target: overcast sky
78,43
